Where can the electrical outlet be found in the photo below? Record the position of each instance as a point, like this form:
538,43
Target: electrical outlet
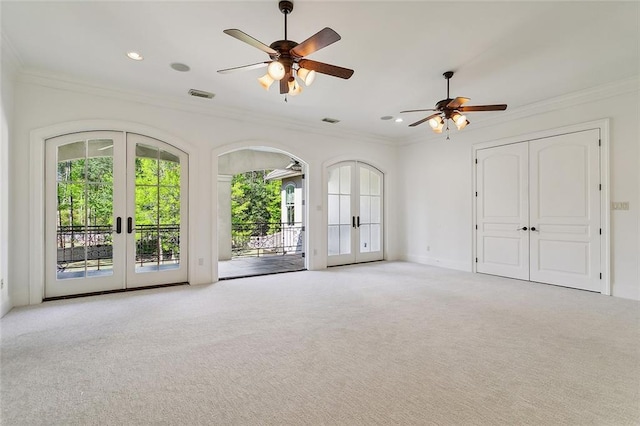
619,205
201,261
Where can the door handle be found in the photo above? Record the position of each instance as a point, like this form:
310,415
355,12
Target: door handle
353,221
119,225
524,228
533,228
129,225
358,221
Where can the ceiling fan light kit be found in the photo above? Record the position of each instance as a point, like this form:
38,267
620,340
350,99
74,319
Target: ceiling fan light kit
288,63
451,109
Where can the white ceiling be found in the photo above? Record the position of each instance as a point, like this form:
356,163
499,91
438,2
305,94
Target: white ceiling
502,52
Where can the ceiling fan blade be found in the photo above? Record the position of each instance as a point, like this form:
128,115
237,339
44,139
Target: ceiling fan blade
323,68
242,36
499,107
322,38
244,68
424,119
417,110
457,102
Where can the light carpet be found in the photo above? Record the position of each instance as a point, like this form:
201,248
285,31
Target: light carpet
381,343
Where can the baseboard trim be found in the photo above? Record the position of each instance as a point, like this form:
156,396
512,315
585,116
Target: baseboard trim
442,263
99,293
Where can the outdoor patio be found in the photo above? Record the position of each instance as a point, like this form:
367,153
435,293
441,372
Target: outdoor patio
264,265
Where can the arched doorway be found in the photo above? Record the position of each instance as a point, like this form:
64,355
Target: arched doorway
261,213
115,213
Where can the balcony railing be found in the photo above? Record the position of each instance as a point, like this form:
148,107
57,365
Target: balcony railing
264,239
157,244
91,247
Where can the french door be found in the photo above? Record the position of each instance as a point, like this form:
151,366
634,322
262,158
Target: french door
538,210
355,206
115,213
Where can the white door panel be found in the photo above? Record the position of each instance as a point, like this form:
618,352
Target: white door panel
502,211
565,210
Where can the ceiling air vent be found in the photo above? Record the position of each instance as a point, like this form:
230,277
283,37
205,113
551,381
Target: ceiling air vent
201,94
330,120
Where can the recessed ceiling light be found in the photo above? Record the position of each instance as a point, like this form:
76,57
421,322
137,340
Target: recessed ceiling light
399,120
135,56
180,67
386,117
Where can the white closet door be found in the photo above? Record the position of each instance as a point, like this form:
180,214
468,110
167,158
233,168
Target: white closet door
565,210
502,236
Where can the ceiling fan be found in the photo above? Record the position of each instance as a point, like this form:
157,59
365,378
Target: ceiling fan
294,165
452,109
288,57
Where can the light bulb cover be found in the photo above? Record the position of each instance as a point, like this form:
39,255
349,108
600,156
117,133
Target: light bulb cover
294,87
308,76
436,122
463,124
266,81
276,70
458,119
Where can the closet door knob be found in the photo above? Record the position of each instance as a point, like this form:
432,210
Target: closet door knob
533,228
524,228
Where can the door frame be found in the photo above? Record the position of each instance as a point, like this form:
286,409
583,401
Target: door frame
37,214
605,240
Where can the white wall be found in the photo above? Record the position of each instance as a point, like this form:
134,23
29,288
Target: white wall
436,198
40,103
7,71
428,184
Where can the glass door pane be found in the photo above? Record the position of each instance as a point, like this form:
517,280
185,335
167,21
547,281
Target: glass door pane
157,209
85,209
339,211
370,209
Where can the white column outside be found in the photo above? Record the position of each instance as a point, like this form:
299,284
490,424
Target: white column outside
224,217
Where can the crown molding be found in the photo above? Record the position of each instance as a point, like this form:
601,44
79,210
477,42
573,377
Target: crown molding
62,82
597,93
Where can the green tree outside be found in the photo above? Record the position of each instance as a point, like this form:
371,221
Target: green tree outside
254,201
